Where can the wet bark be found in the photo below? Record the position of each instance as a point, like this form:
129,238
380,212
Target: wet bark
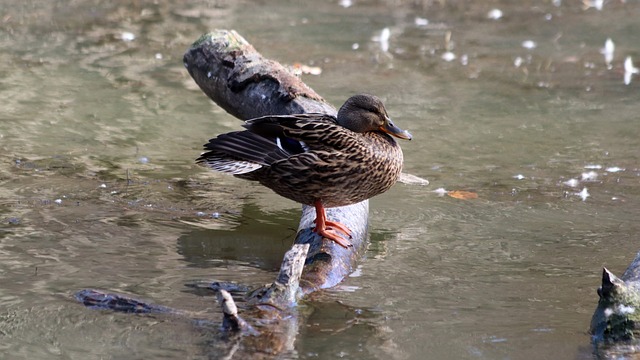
615,325
241,81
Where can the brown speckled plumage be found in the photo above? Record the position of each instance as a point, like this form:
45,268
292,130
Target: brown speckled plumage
315,158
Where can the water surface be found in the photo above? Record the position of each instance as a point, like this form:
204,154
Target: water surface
100,126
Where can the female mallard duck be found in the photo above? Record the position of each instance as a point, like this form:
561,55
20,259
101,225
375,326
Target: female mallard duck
316,159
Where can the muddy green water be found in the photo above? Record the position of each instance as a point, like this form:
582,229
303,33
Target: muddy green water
100,125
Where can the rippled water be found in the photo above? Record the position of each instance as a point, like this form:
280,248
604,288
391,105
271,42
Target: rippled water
100,126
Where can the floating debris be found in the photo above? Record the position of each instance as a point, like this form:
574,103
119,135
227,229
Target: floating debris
529,44
584,194
346,3
345,288
596,4
127,36
355,46
158,56
589,176
593,166
58,201
494,14
497,339
462,195
412,179
518,61
519,177
383,39
357,273
103,186
544,330
464,60
629,70
305,69
448,56
440,191
614,169
143,160
421,21
572,182
607,51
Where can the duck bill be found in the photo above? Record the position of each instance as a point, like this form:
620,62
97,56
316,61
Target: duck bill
393,130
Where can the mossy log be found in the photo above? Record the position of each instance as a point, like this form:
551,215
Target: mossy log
615,324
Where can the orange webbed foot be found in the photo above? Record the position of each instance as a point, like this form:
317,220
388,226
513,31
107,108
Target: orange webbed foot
333,236
338,226
328,229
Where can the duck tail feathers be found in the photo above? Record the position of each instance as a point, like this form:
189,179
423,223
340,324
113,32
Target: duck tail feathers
240,152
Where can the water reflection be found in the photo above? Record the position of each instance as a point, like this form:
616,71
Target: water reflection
256,239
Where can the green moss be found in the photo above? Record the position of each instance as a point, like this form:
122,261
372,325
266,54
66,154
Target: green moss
230,38
624,303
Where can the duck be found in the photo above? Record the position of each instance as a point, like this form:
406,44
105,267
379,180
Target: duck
316,159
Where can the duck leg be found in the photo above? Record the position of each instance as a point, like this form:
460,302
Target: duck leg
327,229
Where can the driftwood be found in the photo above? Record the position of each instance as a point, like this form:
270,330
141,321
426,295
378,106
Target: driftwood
234,75
237,78
615,325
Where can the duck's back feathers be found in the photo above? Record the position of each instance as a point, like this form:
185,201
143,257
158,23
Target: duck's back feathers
312,131
267,140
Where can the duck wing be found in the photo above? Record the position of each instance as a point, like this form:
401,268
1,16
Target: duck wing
275,138
241,152
304,132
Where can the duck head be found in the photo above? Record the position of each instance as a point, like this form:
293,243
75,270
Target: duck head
363,113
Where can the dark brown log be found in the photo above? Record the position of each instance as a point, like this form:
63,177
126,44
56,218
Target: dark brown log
237,78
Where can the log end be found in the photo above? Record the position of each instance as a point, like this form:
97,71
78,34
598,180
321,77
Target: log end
617,316
227,40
